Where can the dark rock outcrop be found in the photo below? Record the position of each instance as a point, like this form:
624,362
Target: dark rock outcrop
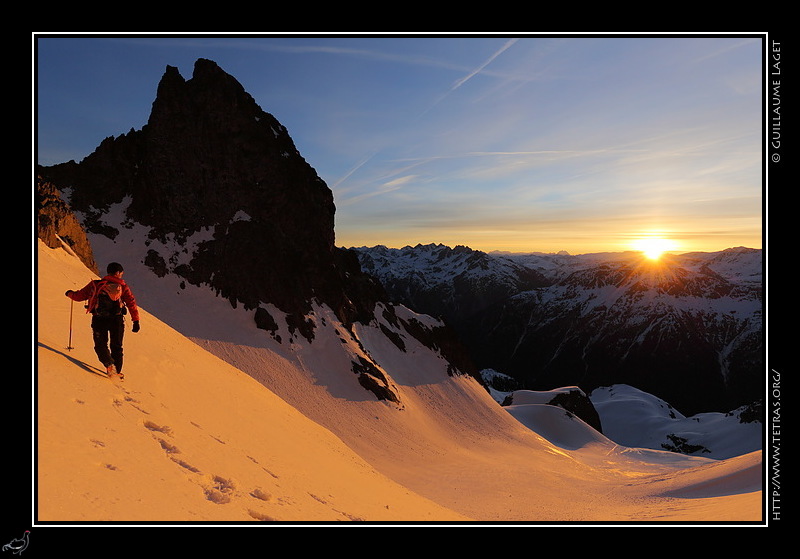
575,402
578,403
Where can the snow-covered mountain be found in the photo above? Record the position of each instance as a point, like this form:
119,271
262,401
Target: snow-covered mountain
688,328
637,419
450,282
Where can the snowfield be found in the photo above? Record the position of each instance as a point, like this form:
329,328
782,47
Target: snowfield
219,422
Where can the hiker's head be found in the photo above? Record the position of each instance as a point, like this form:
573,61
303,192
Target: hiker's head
114,269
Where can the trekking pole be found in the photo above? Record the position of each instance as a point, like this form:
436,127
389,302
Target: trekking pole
69,345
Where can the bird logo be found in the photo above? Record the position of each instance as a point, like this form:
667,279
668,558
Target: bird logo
18,545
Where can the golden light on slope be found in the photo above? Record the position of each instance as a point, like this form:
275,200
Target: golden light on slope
654,247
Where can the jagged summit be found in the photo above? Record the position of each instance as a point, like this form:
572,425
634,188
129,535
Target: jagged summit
213,171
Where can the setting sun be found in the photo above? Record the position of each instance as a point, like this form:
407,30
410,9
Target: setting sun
654,247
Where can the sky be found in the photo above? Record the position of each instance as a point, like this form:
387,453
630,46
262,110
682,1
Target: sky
514,143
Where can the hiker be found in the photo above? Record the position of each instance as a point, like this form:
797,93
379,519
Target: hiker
109,299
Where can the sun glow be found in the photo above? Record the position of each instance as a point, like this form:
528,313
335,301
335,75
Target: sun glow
654,247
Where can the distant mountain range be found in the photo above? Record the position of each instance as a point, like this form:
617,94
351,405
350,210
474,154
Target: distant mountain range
687,328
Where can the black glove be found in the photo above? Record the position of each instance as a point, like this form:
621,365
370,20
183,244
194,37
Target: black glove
69,292
136,326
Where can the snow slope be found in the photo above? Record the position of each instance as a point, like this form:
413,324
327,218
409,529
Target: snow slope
185,436
634,418
278,432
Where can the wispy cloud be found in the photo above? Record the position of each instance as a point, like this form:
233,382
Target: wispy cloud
384,188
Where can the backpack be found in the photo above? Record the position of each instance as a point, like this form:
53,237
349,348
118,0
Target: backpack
108,299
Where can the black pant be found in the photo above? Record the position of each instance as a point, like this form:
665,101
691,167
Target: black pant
107,332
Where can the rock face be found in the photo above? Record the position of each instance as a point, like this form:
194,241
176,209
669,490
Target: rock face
210,159
57,226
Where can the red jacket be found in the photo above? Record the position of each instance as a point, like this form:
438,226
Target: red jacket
92,289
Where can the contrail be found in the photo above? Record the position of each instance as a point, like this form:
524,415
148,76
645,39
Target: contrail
354,169
477,70
462,81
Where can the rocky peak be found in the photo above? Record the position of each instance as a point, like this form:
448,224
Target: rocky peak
209,158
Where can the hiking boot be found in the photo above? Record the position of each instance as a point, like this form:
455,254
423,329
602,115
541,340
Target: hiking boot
111,372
